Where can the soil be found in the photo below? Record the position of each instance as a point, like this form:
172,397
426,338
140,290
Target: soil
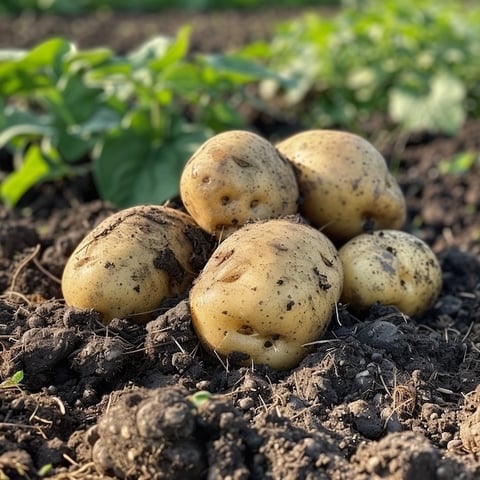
382,396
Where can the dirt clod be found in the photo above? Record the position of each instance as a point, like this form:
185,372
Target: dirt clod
148,434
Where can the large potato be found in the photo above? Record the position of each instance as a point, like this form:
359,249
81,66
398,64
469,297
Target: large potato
234,177
390,267
268,290
133,260
345,183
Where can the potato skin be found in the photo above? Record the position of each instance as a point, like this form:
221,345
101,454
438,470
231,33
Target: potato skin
234,177
268,289
391,267
133,260
345,183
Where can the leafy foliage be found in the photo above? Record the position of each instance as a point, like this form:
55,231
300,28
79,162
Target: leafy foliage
13,381
460,164
134,120
416,60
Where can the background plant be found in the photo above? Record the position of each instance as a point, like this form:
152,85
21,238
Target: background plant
132,121
416,61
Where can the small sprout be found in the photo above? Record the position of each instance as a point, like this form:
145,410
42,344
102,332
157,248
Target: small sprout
13,381
45,470
460,163
199,398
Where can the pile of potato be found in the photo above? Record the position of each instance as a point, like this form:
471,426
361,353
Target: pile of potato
298,227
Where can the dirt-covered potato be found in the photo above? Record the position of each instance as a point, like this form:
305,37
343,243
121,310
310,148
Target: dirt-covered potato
345,184
133,260
390,267
234,177
268,290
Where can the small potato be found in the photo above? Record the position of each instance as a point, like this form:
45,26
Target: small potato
133,260
268,290
345,183
390,267
234,177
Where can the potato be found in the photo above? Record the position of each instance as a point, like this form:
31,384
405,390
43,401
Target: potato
268,290
234,177
133,260
345,183
390,267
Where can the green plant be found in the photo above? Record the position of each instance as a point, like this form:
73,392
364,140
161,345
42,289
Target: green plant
460,163
199,398
132,121
13,381
416,61
45,470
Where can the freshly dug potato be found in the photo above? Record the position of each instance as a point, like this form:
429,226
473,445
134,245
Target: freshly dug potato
267,290
234,177
390,267
133,260
345,183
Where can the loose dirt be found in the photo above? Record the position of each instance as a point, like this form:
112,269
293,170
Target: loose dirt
382,396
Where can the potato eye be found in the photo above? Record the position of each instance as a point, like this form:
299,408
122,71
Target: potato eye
245,330
254,203
225,200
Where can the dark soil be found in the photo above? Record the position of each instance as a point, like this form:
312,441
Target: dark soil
381,396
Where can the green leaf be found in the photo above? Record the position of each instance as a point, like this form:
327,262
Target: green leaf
84,60
238,69
38,68
77,141
48,54
441,109
115,71
10,55
151,51
174,52
73,148
35,167
116,167
15,123
79,99
13,381
222,116
184,79
200,397
72,104
45,470
132,168
460,163
103,120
